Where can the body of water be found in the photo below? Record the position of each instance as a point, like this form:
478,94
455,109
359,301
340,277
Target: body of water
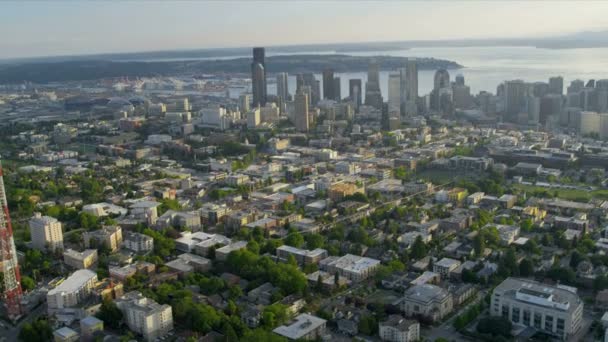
486,67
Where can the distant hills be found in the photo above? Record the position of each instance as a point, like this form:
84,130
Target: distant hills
78,70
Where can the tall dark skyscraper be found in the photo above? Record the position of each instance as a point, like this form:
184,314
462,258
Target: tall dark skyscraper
373,96
258,77
354,91
337,89
328,84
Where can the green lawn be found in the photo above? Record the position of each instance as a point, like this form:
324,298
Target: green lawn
567,194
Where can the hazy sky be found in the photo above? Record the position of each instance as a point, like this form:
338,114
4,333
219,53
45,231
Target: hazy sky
84,27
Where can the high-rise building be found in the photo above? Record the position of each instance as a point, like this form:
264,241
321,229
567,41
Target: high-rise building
459,80
411,80
301,112
244,103
354,91
11,288
373,96
46,233
337,89
394,92
514,99
309,80
576,86
440,94
328,84
550,107
462,96
556,85
283,87
258,77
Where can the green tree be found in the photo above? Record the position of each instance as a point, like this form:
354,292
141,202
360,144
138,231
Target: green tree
479,244
294,239
37,331
368,325
495,326
28,283
110,314
418,249
526,268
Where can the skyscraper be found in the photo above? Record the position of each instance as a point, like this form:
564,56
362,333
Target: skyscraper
373,96
411,80
328,84
283,86
556,85
441,80
244,102
354,91
337,89
258,77
441,93
301,111
394,92
308,79
514,98
11,288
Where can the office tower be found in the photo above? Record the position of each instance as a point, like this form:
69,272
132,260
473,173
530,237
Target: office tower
439,95
309,80
354,91
373,96
441,79
556,85
590,84
301,112
244,102
601,84
459,80
462,96
550,106
593,124
575,86
337,89
254,117
409,88
514,99
328,84
588,99
258,77
394,92
487,103
46,233
11,287
283,87
533,110
540,89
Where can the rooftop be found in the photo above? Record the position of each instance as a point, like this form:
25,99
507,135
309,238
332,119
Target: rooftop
300,326
74,282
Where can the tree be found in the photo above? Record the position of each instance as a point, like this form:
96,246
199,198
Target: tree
368,325
479,244
494,326
418,249
294,239
253,246
110,314
526,268
575,259
314,241
37,331
230,334
261,335
28,283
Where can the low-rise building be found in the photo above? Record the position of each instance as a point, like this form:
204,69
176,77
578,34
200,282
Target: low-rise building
352,267
221,254
427,301
398,329
78,260
72,291
302,256
304,327
108,236
138,243
145,316
557,311
65,334
445,266
89,327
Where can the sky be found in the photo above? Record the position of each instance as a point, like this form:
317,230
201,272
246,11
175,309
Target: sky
49,28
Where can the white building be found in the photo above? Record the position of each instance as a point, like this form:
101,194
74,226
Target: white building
399,329
46,233
254,118
138,243
352,267
445,266
303,327
557,311
145,316
71,291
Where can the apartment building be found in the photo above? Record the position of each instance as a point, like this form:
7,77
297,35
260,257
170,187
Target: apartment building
145,316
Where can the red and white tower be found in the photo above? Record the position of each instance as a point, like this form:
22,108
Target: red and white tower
11,287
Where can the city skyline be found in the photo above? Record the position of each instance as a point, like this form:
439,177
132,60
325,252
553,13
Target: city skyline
71,28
